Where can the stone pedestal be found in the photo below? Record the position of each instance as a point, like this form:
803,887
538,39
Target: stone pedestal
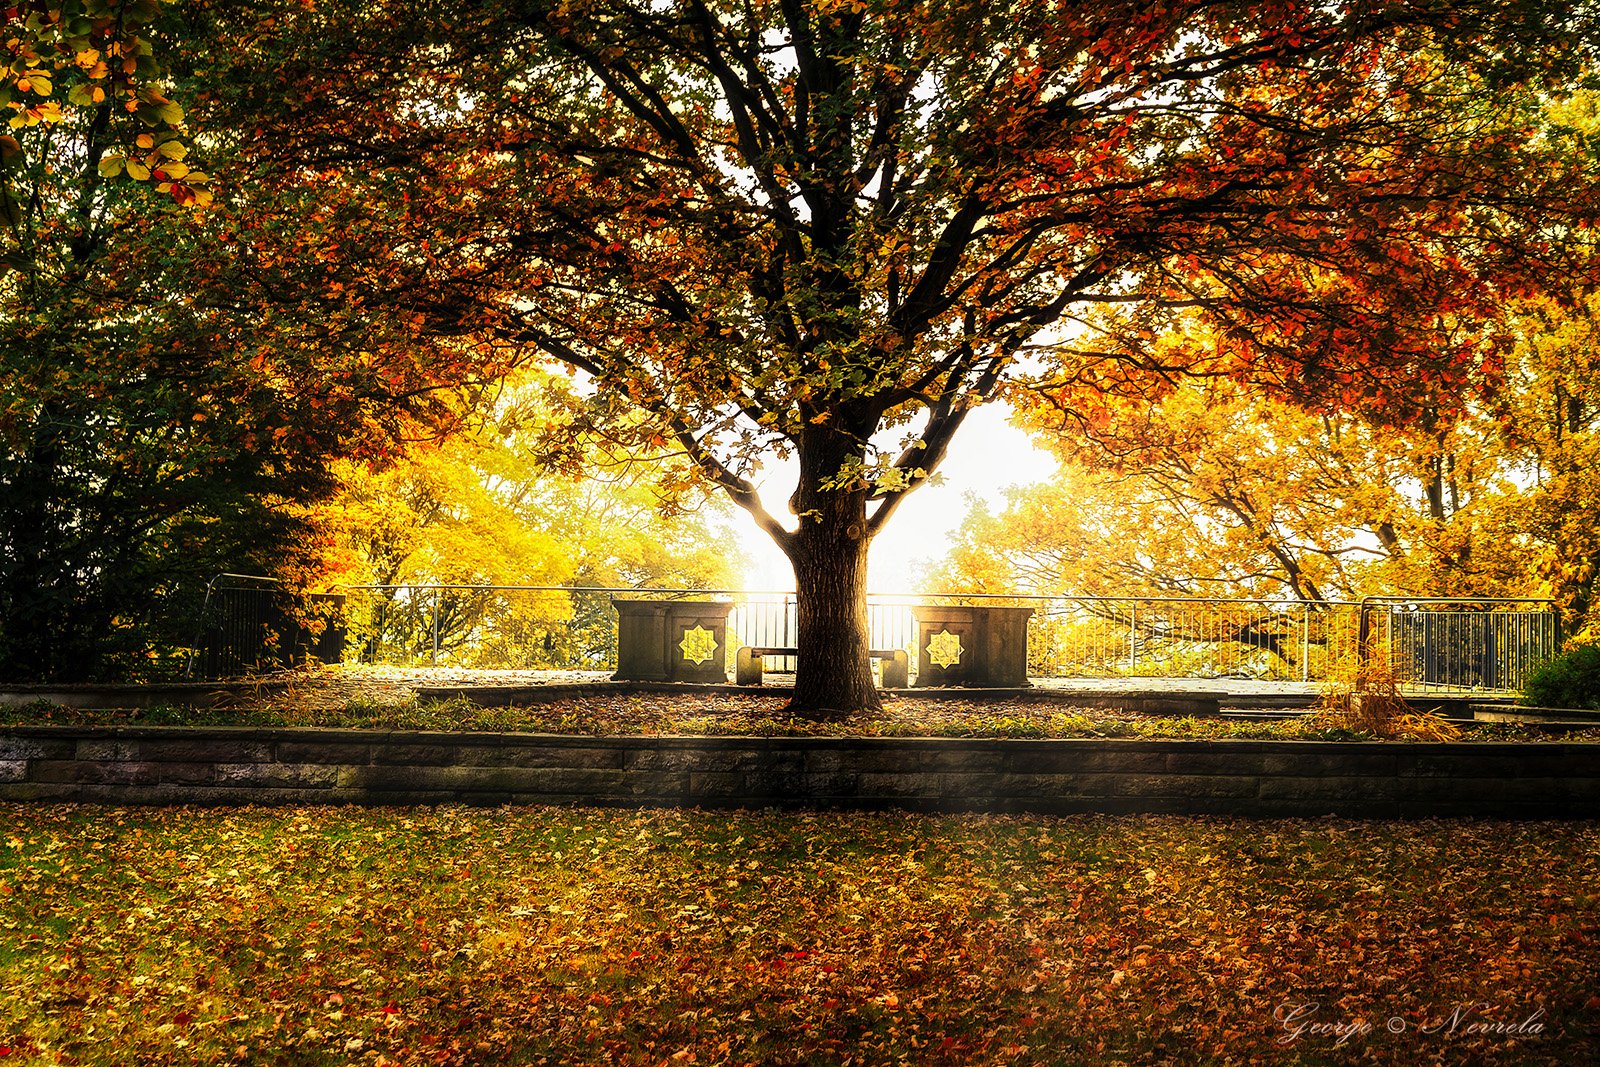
672,640
980,646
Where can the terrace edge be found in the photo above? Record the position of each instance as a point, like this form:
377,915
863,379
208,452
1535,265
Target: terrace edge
155,765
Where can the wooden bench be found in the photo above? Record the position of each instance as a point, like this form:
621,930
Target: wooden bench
748,664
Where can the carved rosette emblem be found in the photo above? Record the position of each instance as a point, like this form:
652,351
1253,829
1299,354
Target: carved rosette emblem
944,649
698,644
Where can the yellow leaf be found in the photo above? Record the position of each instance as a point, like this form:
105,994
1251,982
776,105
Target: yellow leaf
138,171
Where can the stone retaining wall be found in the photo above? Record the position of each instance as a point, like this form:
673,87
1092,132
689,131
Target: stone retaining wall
238,765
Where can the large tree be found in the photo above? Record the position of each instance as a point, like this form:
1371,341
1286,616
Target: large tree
827,230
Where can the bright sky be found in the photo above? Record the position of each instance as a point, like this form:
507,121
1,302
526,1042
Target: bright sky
986,455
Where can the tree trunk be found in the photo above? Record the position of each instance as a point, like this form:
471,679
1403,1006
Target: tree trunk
833,676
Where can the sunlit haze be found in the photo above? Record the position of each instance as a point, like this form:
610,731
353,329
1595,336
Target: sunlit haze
987,455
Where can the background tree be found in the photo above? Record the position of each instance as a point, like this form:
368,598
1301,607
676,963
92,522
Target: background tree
828,230
1549,420
479,507
1213,491
164,402
105,416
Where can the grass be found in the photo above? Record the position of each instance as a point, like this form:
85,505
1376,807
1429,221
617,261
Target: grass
721,715
562,936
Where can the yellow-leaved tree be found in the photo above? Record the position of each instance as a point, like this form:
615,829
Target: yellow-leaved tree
489,506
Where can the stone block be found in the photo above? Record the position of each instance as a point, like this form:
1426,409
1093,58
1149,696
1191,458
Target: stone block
142,793
672,640
1328,794
965,787
1013,787
665,787
96,771
1178,786
215,795
972,645
471,800
23,748
203,749
520,753
1199,761
470,780
23,792
278,775
103,749
898,785
1085,757
1377,763
712,785
1192,704
1557,761
190,773
1461,761
755,757
575,781
1486,794
896,670
338,753
414,755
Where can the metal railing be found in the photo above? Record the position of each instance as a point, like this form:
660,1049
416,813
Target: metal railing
1477,644
249,623
1473,644
1447,643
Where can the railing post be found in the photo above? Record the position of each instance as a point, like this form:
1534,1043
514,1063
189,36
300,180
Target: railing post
1133,636
433,657
1305,642
1361,645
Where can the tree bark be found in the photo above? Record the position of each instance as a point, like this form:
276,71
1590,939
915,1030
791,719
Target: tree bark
833,675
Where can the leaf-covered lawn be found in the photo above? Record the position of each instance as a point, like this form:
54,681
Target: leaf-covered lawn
561,936
717,714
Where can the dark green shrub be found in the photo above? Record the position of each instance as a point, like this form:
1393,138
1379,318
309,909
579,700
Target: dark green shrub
1571,680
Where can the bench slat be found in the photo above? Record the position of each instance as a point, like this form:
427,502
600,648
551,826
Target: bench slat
748,669
764,650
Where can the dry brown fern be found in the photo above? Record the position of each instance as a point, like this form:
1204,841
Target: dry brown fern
1365,697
